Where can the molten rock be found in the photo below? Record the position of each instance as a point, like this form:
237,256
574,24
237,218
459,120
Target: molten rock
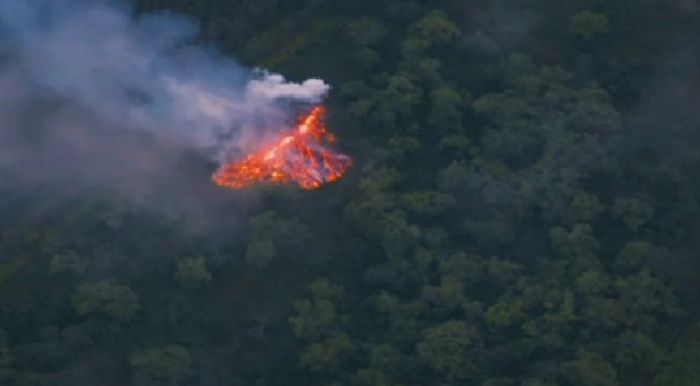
298,156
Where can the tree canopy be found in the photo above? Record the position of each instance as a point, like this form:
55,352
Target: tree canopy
522,211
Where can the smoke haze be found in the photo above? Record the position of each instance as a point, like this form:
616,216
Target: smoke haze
94,97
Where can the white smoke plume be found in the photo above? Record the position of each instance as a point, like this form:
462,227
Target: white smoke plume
274,86
96,96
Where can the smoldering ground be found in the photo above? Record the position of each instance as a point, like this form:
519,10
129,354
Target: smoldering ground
97,100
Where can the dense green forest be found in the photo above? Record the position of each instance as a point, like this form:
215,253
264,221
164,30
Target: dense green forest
523,210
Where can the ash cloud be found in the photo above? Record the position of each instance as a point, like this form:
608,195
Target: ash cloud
95,97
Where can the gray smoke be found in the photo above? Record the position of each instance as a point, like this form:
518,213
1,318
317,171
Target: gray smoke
93,96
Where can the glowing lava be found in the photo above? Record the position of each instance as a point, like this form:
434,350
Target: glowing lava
298,156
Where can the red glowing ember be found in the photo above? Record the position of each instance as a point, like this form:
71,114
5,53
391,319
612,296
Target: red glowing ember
298,156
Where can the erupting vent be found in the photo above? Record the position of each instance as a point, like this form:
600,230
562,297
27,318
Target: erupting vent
298,156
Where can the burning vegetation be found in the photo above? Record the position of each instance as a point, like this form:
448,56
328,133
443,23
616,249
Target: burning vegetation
301,156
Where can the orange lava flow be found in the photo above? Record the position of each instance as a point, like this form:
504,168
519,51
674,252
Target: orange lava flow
298,156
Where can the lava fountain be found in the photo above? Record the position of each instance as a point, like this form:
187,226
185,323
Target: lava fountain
300,155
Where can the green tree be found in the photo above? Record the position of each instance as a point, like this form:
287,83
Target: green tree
319,324
273,236
683,369
446,112
68,261
586,207
450,348
590,369
587,24
427,202
326,354
166,366
317,317
106,297
634,213
366,31
192,272
436,27
6,359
